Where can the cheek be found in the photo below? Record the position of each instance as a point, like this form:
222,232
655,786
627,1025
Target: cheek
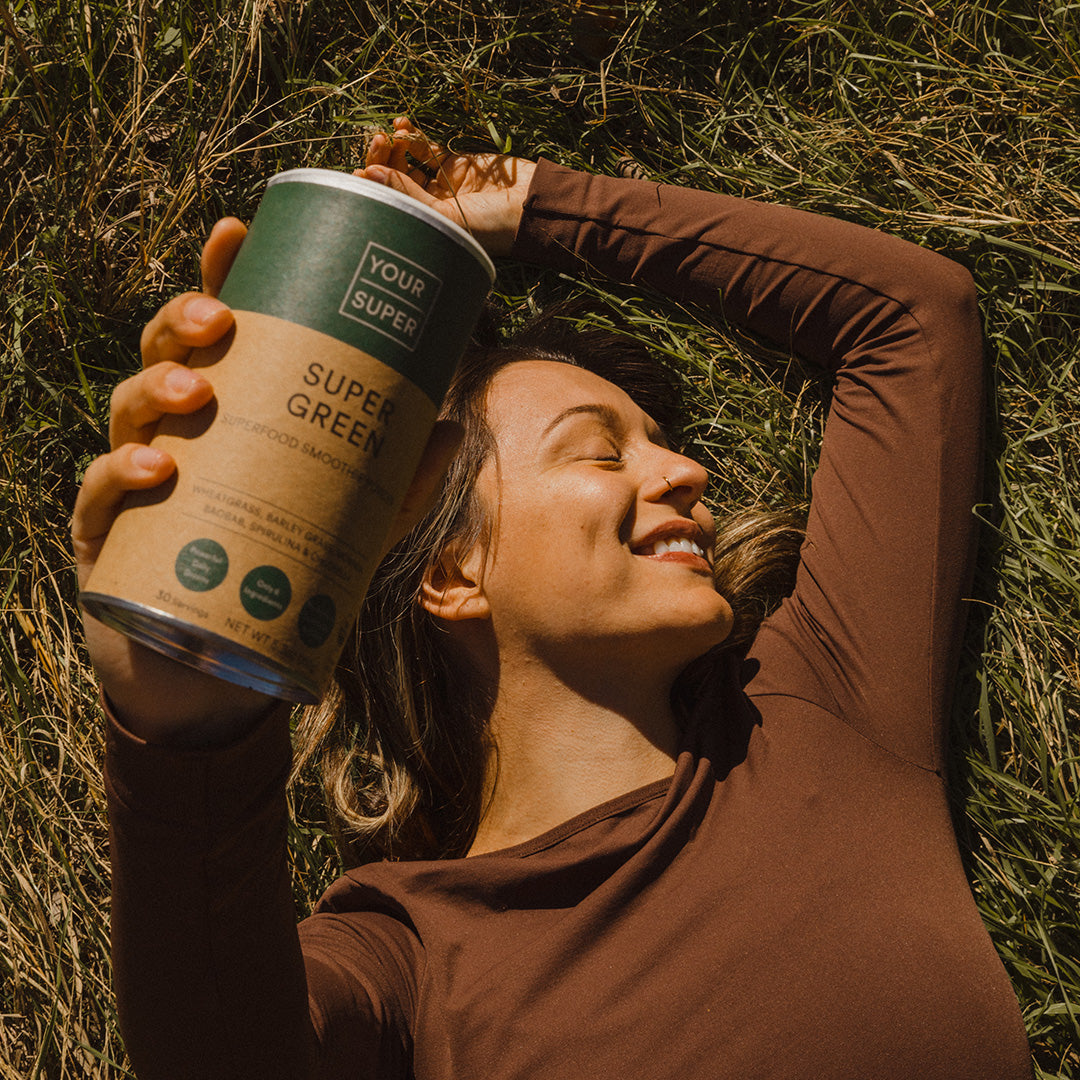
557,541
579,512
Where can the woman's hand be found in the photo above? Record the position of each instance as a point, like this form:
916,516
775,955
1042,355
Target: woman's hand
158,698
483,193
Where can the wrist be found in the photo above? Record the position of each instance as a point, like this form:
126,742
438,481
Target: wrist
500,239
192,711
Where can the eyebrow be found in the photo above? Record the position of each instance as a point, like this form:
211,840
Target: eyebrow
608,416
605,413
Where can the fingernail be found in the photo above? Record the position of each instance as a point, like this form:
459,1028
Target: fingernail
182,381
202,309
146,458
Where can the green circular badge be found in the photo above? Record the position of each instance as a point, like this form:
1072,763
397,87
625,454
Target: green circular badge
265,592
316,620
201,565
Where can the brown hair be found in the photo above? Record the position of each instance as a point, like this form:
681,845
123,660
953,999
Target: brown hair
401,736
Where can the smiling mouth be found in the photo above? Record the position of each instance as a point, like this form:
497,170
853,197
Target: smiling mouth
664,547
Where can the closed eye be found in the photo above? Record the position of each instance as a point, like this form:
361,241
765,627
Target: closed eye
600,448
608,454
589,433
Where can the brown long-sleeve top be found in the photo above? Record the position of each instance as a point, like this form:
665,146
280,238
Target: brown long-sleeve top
789,905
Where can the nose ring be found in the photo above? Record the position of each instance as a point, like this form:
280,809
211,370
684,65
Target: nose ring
669,487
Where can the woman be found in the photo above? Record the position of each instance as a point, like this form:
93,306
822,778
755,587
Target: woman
767,887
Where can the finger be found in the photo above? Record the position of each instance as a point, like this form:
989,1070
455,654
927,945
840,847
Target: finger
101,497
219,252
184,323
404,127
399,153
409,146
140,402
378,152
399,181
418,146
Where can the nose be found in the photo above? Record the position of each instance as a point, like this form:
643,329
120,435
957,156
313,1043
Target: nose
678,479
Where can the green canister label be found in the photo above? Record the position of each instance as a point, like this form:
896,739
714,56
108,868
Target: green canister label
381,290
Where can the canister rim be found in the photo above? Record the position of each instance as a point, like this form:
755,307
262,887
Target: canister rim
370,189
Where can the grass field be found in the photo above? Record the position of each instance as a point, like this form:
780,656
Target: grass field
127,128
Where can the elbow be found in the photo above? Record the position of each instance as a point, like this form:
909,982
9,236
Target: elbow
947,293
943,301
959,287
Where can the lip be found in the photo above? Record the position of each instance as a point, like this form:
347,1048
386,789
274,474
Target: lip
683,558
678,529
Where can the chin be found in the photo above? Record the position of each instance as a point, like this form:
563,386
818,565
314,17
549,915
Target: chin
714,626
685,645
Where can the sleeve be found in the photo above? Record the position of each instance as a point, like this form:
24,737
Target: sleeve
362,973
871,632
210,973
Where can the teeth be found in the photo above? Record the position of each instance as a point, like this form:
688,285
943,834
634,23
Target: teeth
662,547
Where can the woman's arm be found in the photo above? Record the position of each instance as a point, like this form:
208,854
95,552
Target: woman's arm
872,630
207,969
210,976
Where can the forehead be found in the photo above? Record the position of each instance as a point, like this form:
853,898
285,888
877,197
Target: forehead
526,396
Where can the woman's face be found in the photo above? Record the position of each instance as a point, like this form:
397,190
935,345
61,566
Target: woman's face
601,549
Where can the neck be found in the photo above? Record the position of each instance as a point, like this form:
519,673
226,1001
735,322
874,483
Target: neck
562,749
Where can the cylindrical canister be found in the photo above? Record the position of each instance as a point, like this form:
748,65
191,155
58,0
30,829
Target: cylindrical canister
353,305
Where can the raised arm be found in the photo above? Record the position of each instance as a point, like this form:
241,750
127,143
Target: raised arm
871,632
210,974
207,968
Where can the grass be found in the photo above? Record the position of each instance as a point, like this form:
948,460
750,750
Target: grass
127,128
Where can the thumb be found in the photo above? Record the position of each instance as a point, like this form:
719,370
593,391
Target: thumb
392,178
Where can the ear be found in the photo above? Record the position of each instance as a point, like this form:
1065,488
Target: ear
452,588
